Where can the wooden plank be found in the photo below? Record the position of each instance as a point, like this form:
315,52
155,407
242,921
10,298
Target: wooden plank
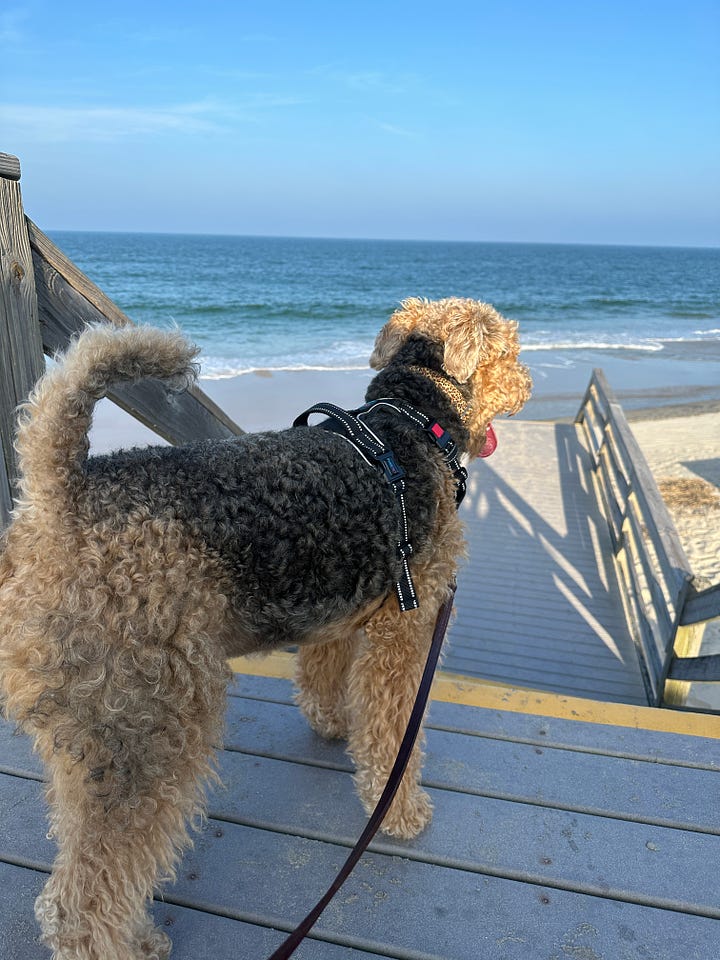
21,358
616,470
553,537
608,502
78,292
18,927
664,794
532,648
643,482
412,910
702,668
703,605
46,250
505,712
477,834
583,862
474,844
526,666
593,433
509,676
9,166
195,934
631,734
178,418
660,525
641,631
602,785
594,402
594,421
612,739
639,554
654,629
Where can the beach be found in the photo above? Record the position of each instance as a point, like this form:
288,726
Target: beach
283,323
679,436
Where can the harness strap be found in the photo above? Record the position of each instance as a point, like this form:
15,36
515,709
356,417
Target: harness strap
437,434
375,451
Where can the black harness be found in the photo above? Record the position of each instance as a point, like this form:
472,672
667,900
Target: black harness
375,451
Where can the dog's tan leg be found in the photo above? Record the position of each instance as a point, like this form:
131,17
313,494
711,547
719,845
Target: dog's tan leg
125,782
321,679
94,906
383,683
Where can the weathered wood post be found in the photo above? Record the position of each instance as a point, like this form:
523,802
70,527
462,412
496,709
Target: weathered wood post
21,352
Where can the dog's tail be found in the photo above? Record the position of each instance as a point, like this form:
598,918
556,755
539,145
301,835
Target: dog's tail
52,440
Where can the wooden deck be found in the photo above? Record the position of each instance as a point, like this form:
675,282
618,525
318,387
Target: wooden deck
552,838
538,601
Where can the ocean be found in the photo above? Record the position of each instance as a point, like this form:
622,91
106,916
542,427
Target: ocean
650,316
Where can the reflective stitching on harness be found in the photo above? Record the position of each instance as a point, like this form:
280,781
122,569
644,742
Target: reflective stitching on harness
440,437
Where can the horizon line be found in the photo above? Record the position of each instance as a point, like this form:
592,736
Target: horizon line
358,239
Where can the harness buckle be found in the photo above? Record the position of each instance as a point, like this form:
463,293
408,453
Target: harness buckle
440,436
391,468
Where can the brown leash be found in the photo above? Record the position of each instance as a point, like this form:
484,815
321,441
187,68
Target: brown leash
288,947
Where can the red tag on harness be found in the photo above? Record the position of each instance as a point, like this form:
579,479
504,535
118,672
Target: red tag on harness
490,442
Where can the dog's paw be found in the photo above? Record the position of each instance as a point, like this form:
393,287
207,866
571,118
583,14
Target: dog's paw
408,815
155,945
330,723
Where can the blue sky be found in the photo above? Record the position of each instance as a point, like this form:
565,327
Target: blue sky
533,121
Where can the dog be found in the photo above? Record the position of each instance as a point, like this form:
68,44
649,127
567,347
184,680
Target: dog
128,580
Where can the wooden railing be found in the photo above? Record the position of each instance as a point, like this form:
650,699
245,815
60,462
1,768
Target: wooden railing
666,606
45,301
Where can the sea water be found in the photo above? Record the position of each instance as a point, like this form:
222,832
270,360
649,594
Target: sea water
649,314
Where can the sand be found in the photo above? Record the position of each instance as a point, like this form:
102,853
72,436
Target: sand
684,456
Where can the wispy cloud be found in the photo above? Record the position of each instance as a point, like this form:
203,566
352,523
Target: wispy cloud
395,130
55,124
381,82
377,81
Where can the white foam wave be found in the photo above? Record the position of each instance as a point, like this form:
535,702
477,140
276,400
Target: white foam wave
226,373
648,346
353,355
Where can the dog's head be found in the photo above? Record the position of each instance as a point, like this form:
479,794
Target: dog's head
479,347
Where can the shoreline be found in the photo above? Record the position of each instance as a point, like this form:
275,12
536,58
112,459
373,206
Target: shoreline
265,400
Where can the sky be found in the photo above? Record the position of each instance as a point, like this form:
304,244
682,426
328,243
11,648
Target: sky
552,121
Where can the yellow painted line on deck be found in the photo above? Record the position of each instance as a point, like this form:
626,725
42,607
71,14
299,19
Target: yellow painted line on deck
453,688
479,693
280,665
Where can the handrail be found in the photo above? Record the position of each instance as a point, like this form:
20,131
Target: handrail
68,300
45,300
660,592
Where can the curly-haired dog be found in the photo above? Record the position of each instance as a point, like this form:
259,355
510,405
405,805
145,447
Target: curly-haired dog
127,580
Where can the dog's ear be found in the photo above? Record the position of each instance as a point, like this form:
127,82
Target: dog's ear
396,331
463,347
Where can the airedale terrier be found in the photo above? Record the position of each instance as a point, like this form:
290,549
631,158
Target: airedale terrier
128,580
